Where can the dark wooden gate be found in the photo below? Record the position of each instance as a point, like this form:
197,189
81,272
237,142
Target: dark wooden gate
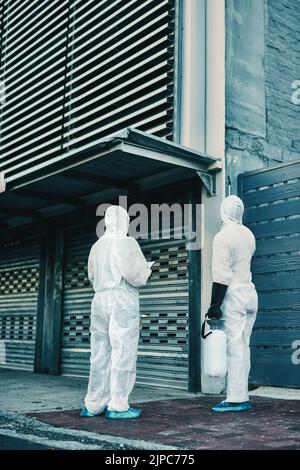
272,211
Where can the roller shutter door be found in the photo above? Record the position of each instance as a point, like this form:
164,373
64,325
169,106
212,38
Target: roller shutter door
163,347
19,270
77,297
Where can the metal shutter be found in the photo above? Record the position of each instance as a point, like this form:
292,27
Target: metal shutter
77,298
164,304
76,71
163,349
272,201
19,269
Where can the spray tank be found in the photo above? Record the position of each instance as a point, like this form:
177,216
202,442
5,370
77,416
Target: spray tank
214,349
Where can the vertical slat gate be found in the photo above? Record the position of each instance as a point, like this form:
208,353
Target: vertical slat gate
19,266
272,211
163,348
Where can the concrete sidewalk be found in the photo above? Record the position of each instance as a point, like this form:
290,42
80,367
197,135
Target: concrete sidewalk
27,392
45,410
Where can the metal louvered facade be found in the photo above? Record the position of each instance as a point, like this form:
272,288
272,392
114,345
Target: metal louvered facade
76,71
33,68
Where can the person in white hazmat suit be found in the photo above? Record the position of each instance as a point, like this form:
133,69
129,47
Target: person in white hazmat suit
233,248
116,267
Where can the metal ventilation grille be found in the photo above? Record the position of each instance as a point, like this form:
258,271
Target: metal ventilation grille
76,71
33,68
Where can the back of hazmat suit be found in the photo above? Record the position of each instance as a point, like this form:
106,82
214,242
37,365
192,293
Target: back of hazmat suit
116,267
233,248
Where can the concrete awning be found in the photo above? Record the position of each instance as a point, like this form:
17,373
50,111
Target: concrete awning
128,161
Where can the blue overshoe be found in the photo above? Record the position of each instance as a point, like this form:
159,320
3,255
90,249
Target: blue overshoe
87,414
225,406
131,413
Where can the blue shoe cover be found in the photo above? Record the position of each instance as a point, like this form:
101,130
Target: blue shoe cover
225,406
87,414
131,413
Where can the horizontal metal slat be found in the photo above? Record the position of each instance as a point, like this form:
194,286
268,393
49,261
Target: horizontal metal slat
156,63
35,73
288,299
18,126
290,378
276,264
276,228
9,43
153,98
267,282
271,176
272,194
14,8
277,245
37,54
44,90
274,338
134,118
115,102
273,211
281,321
122,27
11,14
46,125
46,149
117,50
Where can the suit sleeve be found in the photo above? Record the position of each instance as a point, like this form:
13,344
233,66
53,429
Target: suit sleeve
222,256
131,262
91,265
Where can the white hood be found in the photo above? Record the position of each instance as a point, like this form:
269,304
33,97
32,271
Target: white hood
232,210
116,222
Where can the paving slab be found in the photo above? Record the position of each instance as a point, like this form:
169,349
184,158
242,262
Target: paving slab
190,424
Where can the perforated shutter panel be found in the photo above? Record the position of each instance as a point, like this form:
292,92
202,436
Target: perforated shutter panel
164,304
19,269
33,66
77,298
163,347
120,69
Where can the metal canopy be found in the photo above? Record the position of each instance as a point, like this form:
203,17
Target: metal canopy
130,161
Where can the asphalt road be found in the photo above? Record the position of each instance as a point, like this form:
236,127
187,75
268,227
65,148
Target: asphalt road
14,443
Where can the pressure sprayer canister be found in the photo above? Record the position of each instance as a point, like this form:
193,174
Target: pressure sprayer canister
214,349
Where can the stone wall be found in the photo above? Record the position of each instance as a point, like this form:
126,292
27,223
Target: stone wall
262,63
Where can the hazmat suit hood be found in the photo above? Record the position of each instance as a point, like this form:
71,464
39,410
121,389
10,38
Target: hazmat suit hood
232,210
116,222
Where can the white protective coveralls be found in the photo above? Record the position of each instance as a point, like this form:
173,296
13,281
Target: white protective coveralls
116,267
233,248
